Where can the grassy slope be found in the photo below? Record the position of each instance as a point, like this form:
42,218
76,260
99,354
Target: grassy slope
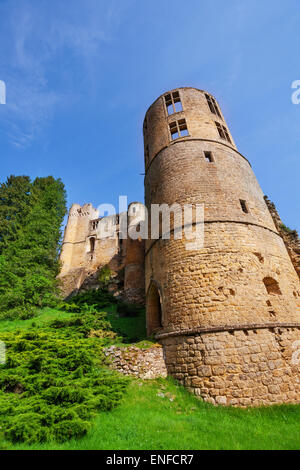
132,329
44,317
162,415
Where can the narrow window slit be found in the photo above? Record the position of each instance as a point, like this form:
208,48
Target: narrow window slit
92,244
244,206
272,286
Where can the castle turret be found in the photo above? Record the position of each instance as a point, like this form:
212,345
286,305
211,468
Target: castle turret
228,312
77,248
76,244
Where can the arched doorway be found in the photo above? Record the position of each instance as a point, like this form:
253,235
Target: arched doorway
154,308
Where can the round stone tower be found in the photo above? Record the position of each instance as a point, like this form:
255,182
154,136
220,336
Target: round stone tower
227,313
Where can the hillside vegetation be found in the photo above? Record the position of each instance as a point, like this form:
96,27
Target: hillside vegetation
56,388
31,215
55,378
136,414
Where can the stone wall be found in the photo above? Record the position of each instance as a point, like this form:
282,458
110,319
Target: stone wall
200,122
91,242
218,310
223,283
247,367
143,363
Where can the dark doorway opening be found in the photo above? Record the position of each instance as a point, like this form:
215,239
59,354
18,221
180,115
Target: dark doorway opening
154,309
92,244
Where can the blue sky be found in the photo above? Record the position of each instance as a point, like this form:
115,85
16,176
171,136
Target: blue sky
80,75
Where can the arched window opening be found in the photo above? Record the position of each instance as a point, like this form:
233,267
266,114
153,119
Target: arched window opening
272,286
154,309
92,244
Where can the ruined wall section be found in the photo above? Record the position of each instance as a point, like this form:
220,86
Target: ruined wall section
290,237
75,236
145,363
91,242
134,276
74,253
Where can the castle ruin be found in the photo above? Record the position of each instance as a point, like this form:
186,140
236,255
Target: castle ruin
228,314
92,242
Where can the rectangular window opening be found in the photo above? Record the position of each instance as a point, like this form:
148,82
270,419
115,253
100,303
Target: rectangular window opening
182,125
168,99
94,224
244,206
170,109
214,108
184,132
208,157
173,103
178,106
178,129
220,130
223,132
226,134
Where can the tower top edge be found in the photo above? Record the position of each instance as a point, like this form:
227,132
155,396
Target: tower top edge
175,89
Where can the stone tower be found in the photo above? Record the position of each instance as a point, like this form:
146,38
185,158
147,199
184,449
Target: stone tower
228,314
134,274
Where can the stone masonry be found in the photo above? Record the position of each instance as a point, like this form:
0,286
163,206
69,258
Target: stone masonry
145,363
227,315
92,242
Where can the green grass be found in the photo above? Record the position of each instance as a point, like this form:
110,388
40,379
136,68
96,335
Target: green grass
132,329
148,419
43,317
160,414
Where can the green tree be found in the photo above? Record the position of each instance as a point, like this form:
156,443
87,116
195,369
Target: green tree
14,207
29,262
